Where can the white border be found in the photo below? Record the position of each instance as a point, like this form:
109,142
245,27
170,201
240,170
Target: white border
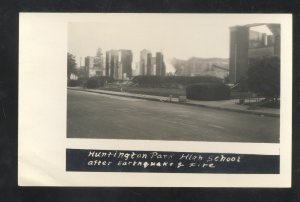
42,112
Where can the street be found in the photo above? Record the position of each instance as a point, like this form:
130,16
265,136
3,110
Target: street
91,115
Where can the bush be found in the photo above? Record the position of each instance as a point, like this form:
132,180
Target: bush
172,81
93,82
96,82
208,91
264,76
73,83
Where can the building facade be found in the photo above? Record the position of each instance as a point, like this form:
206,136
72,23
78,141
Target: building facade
149,64
143,61
99,63
89,65
94,65
246,44
126,63
110,62
160,64
119,64
152,65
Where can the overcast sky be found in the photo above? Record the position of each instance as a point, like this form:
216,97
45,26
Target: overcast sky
179,36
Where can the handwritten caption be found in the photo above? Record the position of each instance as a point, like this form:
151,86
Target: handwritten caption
158,159
161,161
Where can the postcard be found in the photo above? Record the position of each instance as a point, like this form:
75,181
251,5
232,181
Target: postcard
155,100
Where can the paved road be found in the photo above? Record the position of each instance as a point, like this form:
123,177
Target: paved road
93,115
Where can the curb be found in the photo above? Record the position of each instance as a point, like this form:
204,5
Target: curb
182,103
235,110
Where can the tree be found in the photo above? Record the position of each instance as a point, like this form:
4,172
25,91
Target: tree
82,73
71,66
264,76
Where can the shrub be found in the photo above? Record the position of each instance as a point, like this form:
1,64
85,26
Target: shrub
208,91
264,76
73,83
171,81
93,82
96,82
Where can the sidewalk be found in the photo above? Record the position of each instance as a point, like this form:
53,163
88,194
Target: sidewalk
228,105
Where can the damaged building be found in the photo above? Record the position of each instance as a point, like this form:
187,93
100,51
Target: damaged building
251,41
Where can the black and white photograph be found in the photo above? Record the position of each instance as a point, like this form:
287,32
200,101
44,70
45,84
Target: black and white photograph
162,100
178,80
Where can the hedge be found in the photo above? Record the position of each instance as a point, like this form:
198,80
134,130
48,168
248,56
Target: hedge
160,81
96,82
73,83
208,91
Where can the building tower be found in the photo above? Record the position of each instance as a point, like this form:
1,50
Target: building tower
126,64
119,64
99,63
149,64
160,65
89,65
143,61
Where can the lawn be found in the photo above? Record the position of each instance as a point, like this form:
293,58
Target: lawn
148,91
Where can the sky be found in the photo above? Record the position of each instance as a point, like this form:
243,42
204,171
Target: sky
177,36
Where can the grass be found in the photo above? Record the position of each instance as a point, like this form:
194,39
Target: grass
166,92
